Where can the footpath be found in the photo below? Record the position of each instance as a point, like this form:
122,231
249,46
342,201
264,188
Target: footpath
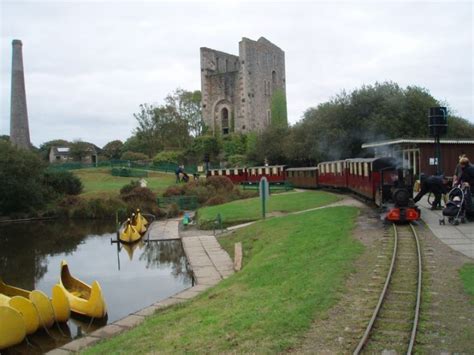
459,238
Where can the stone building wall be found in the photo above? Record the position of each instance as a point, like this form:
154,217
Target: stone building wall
237,91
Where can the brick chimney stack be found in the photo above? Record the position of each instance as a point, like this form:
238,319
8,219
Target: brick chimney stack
19,130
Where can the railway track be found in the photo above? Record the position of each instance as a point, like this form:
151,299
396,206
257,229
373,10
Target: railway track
394,321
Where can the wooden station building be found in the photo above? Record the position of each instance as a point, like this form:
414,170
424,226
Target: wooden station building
420,154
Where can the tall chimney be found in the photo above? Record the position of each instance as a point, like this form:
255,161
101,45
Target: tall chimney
19,130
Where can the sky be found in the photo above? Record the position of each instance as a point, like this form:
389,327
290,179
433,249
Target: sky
90,64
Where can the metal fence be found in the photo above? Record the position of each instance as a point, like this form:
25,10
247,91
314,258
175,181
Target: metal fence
274,187
125,172
183,202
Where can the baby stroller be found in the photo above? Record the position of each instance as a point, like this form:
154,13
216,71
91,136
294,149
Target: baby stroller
455,209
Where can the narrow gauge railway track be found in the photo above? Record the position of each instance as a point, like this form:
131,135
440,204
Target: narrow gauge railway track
394,321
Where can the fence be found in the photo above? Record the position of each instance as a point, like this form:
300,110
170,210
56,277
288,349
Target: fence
183,202
274,187
124,172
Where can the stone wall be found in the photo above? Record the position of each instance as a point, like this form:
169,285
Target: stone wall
237,91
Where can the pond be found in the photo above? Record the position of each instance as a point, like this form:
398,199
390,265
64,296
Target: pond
131,277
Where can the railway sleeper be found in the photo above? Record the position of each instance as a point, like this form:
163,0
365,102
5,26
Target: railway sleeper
393,324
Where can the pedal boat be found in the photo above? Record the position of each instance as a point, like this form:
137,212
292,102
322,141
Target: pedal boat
12,323
84,299
49,310
139,222
128,233
25,308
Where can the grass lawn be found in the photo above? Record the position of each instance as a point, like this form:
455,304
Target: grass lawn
100,183
467,277
242,211
294,271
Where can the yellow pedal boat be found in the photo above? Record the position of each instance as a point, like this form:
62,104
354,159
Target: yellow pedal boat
84,299
12,324
128,233
49,310
25,308
139,222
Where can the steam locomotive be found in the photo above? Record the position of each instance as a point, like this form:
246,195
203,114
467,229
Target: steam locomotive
380,180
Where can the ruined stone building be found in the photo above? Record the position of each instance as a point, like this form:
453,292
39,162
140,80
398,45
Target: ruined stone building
237,90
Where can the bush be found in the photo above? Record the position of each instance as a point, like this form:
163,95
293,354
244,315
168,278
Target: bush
97,208
142,198
220,183
63,182
134,156
216,200
129,187
21,181
173,191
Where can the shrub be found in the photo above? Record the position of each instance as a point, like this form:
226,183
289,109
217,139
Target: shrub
142,198
97,208
63,182
216,200
129,187
220,183
134,156
172,210
173,191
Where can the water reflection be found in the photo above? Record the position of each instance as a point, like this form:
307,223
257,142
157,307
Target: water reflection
30,256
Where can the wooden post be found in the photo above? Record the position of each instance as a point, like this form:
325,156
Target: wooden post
238,256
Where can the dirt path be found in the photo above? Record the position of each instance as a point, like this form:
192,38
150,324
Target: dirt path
447,316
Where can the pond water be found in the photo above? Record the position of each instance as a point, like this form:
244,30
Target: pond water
131,277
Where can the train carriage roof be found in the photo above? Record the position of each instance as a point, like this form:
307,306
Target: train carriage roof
384,163
308,168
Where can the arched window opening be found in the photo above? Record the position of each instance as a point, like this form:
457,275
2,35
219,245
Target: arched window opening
274,80
225,120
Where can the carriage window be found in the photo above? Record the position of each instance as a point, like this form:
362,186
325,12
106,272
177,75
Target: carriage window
236,172
366,169
267,171
228,172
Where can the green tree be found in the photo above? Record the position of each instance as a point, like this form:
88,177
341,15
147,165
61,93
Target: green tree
278,109
113,149
21,176
78,150
46,146
187,105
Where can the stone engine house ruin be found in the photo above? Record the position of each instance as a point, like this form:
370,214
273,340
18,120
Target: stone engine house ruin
237,90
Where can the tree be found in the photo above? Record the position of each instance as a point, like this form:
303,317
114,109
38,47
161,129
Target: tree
79,150
113,149
187,104
278,109
46,146
21,176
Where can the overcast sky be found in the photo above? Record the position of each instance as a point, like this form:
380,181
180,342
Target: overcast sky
90,64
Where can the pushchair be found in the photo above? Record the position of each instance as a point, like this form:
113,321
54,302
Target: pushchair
456,207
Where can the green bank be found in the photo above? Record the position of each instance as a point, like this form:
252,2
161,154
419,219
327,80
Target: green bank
247,210
294,269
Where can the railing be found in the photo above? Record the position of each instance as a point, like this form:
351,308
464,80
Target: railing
183,202
125,172
274,187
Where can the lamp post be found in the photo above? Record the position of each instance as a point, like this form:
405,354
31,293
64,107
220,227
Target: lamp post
438,124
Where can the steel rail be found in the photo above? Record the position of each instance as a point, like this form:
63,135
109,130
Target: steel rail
418,294
365,337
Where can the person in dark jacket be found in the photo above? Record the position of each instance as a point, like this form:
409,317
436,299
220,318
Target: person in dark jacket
467,182
437,186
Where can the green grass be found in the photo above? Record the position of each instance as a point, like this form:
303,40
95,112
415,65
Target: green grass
467,277
242,211
295,267
100,183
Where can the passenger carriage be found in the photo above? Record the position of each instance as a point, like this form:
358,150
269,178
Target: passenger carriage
303,177
332,174
273,173
236,175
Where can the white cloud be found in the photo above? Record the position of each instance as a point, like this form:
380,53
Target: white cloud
89,64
